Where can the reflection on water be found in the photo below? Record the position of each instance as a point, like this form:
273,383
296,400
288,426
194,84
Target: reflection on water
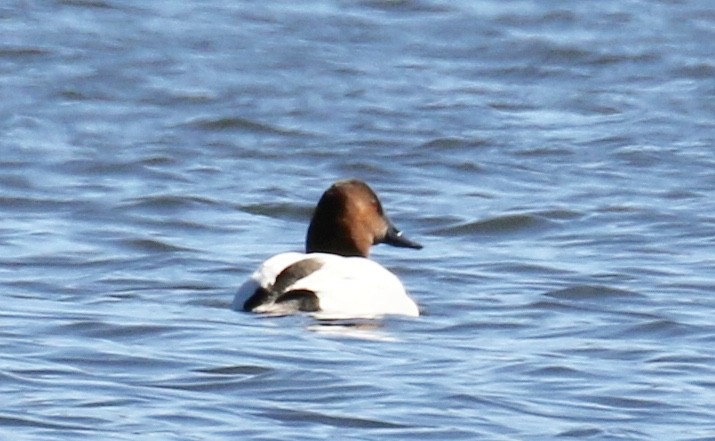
364,330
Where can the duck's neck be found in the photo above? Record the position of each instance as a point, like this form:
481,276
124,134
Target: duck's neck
332,238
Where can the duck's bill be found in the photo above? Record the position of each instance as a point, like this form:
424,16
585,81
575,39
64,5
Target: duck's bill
395,238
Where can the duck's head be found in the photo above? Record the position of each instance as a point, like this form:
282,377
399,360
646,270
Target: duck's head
349,219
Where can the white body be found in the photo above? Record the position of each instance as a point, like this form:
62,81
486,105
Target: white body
346,287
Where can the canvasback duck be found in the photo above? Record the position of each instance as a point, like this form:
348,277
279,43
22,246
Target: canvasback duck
334,277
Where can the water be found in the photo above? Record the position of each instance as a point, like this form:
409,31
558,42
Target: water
555,158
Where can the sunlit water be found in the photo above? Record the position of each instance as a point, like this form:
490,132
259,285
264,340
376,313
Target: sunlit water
556,160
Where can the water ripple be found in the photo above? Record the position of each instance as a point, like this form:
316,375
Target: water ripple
296,417
279,210
243,125
508,224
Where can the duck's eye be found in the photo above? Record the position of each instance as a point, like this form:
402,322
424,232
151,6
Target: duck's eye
378,207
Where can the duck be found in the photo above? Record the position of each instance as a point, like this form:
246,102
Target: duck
334,278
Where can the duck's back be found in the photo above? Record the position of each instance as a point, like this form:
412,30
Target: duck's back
339,287
356,287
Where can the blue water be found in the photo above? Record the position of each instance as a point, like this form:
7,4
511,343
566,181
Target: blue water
555,158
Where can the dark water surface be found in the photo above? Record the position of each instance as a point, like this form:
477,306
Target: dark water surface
556,159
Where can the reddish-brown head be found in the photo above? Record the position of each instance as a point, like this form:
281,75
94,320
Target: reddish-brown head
349,219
